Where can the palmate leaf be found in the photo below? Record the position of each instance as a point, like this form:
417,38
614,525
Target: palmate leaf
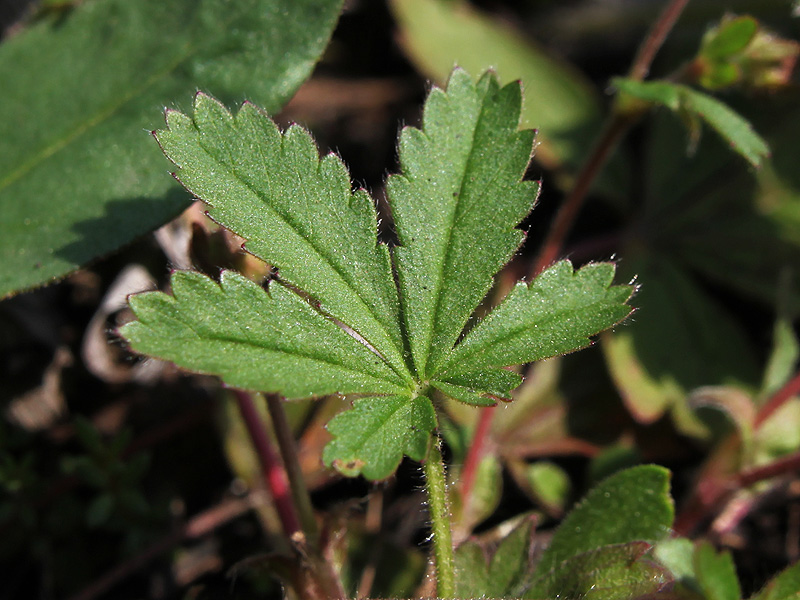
360,324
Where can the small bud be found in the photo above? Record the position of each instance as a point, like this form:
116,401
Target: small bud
740,52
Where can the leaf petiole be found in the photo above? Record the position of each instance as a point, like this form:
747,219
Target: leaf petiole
436,487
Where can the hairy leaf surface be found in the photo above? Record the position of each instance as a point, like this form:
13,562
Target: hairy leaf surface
371,438
630,506
613,572
456,205
554,314
296,211
342,317
255,340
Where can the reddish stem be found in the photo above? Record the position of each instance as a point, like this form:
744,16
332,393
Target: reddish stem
789,390
271,465
780,466
655,39
475,453
572,204
294,472
717,491
319,578
615,128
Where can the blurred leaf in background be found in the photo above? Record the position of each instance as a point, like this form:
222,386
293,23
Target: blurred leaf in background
79,175
560,102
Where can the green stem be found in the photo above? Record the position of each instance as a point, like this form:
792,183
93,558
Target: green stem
436,486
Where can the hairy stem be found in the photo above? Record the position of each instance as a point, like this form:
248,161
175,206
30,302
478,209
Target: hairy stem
436,486
288,450
271,467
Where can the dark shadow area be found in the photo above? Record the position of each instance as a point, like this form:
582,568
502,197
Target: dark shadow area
121,223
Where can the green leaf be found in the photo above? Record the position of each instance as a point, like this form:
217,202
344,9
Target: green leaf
677,555
658,92
505,575
630,506
741,52
99,510
708,212
371,438
472,570
784,586
296,211
560,101
511,564
729,38
331,322
782,362
481,388
79,177
255,340
612,459
613,572
486,493
716,573
731,126
555,314
778,436
460,182
728,124
550,484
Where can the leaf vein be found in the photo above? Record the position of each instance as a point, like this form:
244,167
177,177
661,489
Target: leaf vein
309,241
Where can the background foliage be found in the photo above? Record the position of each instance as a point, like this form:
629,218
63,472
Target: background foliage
145,474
